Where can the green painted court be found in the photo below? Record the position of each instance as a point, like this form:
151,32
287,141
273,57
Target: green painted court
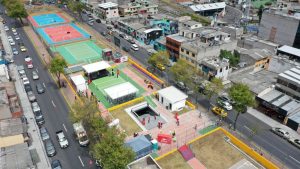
99,85
79,52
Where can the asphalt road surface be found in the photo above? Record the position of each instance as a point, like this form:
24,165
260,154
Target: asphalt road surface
53,106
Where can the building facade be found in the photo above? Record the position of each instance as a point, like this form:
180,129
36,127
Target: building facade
136,7
214,67
288,82
280,28
107,10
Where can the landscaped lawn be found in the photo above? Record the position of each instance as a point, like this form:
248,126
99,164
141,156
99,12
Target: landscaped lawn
174,160
214,152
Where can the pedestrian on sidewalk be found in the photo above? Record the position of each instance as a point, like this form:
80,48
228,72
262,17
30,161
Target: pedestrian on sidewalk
118,73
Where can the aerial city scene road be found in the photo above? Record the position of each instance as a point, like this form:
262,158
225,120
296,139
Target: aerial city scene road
149,84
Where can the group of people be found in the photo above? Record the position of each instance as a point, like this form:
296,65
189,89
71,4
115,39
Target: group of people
113,73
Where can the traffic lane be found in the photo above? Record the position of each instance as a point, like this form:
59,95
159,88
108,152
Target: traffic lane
52,123
55,109
268,140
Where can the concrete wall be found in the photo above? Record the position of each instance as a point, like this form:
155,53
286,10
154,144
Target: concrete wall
286,28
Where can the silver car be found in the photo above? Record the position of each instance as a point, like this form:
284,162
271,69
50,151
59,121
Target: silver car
44,133
15,51
35,75
31,96
50,149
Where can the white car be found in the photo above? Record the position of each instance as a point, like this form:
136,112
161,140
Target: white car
28,59
35,107
15,51
280,132
25,80
126,37
63,142
135,47
30,65
295,142
13,30
225,105
12,42
35,75
17,37
10,38
6,28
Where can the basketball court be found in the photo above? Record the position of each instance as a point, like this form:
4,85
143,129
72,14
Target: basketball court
47,19
79,52
57,35
98,86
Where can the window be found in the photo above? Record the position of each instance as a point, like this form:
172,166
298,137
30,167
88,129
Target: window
114,11
227,67
292,86
221,70
187,52
182,50
193,54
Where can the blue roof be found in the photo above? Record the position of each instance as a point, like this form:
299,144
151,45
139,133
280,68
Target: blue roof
138,143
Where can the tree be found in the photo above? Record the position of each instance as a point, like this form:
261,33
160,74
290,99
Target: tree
111,150
234,58
242,98
15,9
260,12
76,7
161,57
83,109
214,87
57,66
183,71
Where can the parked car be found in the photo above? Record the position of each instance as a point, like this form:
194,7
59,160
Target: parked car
98,20
44,133
91,22
103,33
6,28
180,85
15,51
12,42
219,111
55,164
125,48
121,35
31,96
225,105
21,70
280,132
25,80
40,88
27,88
39,118
35,75
10,38
126,37
35,107
13,30
62,140
50,149
150,69
28,58
226,98
295,142
131,41
135,47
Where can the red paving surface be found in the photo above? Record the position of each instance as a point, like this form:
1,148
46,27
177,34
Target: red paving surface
62,33
196,164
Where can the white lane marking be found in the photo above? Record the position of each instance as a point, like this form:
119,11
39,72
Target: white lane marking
53,103
65,127
81,161
36,70
248,128
44,85
294,159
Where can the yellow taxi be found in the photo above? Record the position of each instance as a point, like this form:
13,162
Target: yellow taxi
160,66
219,111
23,48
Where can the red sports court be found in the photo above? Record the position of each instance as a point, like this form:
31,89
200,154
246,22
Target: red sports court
62,33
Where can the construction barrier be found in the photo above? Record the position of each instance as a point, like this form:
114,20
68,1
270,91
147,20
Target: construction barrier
191,105
126,103
143,70
249,151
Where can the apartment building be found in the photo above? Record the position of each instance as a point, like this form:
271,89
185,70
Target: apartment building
288,82
206,43
214,67
107,10
144,7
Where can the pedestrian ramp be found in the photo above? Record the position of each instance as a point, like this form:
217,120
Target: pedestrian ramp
196,164
186,152
150,101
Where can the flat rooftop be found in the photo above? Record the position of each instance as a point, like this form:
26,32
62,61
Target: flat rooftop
292,75
257,81
177,37
10,127
107,5
146,162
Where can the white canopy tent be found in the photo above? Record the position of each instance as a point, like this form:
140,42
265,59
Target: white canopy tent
95,67
79,82
120,90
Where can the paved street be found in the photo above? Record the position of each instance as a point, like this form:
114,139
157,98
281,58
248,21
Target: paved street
53,106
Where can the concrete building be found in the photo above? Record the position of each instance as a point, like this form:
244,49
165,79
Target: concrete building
160,44
259,58
214,67
235,32
288,82
149,36
293,121
173,43
107,10
144,7
172,98
16,157
279,27
191,24
253,42
207,43
208,9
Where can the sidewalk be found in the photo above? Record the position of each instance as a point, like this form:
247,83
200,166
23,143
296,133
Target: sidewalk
272,123
33,130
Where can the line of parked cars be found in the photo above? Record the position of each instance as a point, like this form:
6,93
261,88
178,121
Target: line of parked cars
286,135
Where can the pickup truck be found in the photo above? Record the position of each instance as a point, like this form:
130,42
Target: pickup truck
62,140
